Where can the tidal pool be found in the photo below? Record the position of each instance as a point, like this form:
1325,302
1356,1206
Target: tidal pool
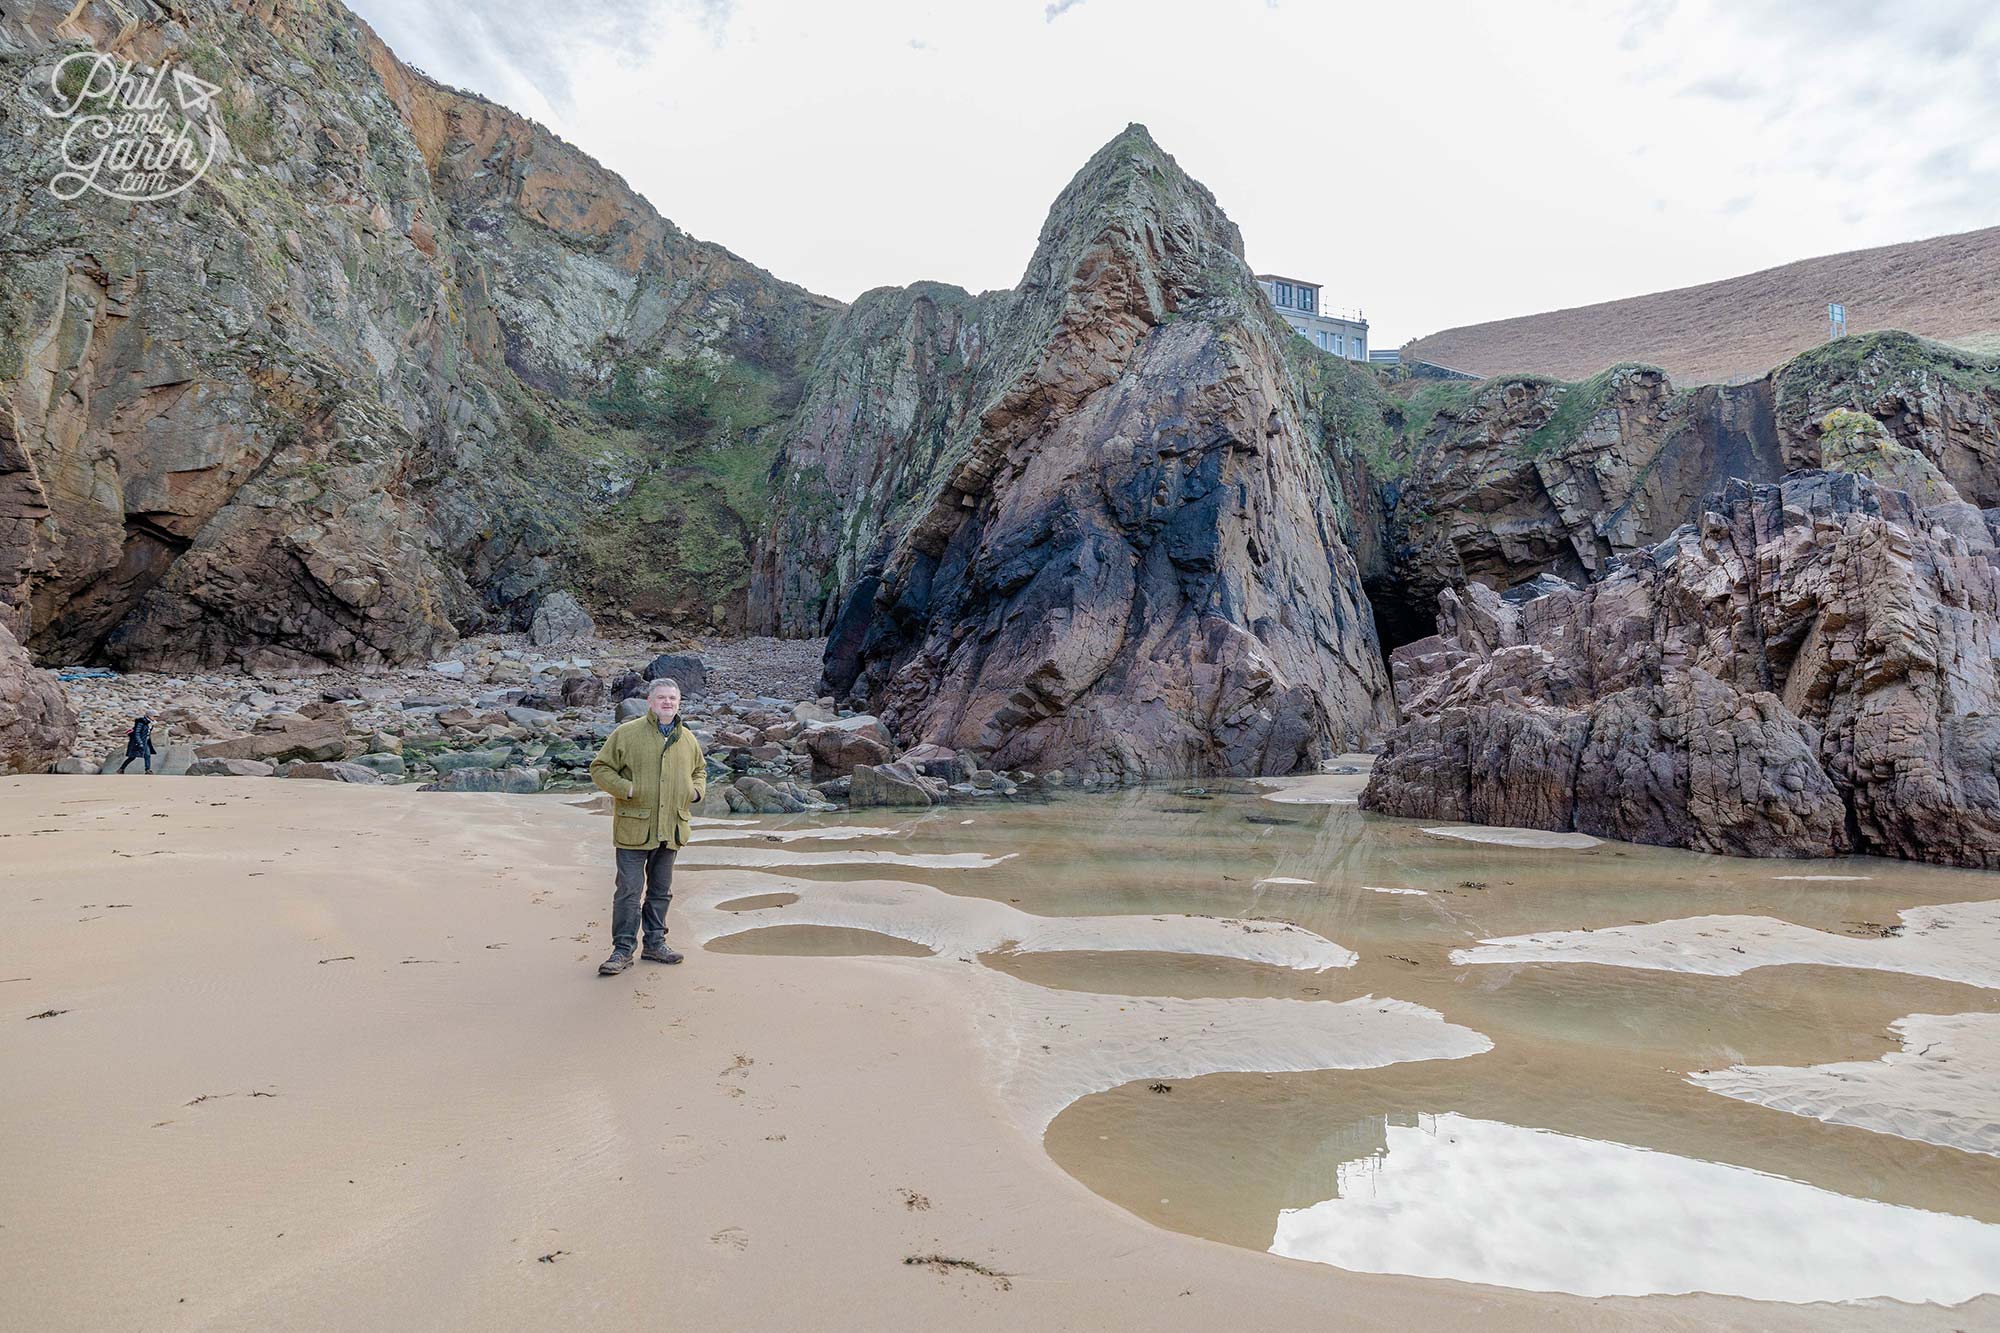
1672,1107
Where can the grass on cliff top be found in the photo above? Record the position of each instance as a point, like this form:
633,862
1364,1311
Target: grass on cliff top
1892,353
1577,406
1353,409
1429,398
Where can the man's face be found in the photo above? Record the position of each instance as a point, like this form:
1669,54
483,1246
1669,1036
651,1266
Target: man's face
664,700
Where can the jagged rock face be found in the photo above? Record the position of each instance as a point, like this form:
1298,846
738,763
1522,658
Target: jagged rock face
1520,476
1939,401
1808,670
37,725
899,378
1529,477
1130,562
323,404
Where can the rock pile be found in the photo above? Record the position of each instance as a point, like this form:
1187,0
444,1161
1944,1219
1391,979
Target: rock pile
499,716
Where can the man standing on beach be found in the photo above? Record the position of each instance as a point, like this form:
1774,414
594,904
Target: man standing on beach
653,770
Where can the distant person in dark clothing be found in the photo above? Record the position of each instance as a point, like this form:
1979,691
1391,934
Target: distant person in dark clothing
139,743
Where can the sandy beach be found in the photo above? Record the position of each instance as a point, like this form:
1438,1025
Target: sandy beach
310,1055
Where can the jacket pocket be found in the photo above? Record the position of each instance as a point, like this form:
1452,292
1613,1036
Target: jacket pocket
628,828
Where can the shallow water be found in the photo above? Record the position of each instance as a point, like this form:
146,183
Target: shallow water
1575,1154
817,942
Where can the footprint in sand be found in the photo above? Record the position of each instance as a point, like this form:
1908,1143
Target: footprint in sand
739,1068
731,1238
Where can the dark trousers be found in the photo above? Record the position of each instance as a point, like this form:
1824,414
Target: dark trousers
653,873
129,757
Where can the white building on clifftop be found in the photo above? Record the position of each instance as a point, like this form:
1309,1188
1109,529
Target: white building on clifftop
1341,332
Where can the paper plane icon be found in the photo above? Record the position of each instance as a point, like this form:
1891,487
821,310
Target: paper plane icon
195,94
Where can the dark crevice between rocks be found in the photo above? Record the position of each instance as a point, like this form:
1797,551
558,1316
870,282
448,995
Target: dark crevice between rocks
1402,614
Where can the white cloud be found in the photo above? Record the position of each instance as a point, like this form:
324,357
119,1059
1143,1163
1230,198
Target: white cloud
1435,167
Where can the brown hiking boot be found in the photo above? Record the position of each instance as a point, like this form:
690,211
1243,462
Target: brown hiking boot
659,953
619,960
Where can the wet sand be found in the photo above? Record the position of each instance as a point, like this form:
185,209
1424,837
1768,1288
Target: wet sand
329,1056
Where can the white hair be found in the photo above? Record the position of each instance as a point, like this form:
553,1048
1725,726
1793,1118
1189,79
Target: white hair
663,683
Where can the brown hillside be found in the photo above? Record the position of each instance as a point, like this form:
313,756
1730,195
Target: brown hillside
1947,288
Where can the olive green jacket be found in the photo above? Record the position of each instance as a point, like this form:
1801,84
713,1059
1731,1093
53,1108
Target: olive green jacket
651,782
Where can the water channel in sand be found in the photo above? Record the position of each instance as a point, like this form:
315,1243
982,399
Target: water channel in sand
1653,1114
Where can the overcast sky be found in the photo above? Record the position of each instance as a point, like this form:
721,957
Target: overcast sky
1432,164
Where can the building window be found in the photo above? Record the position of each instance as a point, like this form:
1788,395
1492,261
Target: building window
1308,300
1284,295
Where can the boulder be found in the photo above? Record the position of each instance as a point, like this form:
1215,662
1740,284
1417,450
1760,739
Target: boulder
229,768
333,772
631,708
582,692
860,724
558,618
941,762
765,799
837,753
684,669
37,726
895,784
452,761
516,781
388,765
313,741
534,719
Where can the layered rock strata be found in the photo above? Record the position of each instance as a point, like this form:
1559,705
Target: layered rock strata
1130,561
1808,670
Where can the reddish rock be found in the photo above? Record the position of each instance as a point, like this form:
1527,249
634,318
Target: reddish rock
37,726
836,753
1130,560
1809,670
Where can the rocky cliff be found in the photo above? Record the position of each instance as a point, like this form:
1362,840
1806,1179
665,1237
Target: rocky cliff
400,361
1501,481
402,364
1120,546
1807,670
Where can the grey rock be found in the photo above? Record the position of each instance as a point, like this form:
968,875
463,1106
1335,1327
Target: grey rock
230,768
558,618
684,669
452,761
515,781
534,719
330,772
896,784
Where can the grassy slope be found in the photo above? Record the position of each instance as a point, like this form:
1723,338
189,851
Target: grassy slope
1737,329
